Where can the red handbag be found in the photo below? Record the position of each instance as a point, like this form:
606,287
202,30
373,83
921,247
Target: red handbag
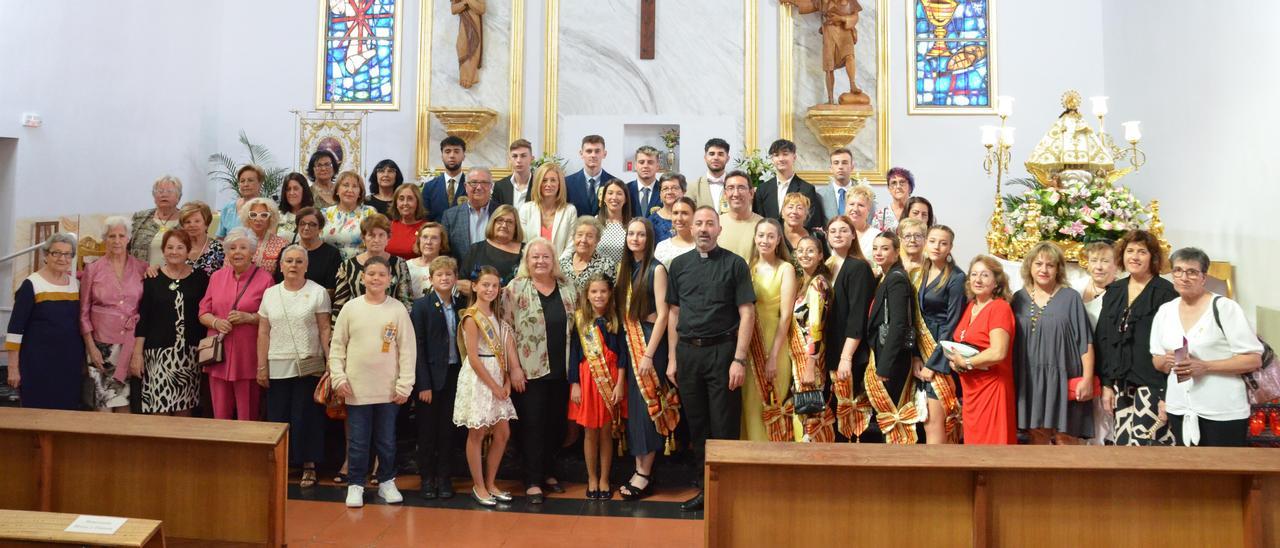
1075,381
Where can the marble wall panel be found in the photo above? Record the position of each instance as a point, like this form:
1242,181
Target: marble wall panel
493,90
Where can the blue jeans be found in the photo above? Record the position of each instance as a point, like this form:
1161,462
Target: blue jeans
377,422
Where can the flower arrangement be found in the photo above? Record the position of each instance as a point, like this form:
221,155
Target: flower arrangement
1078,211
548,157
671,139
756,165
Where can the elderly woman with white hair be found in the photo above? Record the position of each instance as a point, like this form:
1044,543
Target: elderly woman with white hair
149,225
583,258
46,352
230,309
859,207
262,217
110,290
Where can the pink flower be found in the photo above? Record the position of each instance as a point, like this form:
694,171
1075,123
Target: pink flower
1074,229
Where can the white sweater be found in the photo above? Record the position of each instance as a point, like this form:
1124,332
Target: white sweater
356,353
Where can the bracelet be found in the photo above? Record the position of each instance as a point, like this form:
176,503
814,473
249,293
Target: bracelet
742,361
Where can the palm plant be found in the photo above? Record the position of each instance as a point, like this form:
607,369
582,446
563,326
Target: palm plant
223,167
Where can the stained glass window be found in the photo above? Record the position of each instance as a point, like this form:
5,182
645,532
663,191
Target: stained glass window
952,56
360,54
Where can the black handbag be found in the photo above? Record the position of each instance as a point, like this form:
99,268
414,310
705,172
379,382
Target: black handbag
808,402
909,342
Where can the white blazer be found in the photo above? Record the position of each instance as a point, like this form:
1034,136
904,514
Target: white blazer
561,226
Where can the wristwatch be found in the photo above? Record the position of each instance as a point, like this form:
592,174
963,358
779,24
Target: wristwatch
968,364
741,361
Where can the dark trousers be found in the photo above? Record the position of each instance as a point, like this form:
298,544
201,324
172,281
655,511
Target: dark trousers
371,424
290,401
436,433
713,411
543,411
1213,433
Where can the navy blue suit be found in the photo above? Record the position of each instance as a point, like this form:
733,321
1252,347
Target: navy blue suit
436,431
435,198
583,201
642,210
457,224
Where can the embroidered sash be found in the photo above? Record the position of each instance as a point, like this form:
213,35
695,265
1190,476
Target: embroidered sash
600,367
488,333
943,385
818,428
776,423
897,421
661,401
853,415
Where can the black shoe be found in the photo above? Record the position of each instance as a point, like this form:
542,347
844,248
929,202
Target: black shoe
445,490
630,492
692,505
536,498
428,490
554,487
591,494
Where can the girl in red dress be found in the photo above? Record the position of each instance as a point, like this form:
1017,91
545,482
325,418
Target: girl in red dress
987,402
597,357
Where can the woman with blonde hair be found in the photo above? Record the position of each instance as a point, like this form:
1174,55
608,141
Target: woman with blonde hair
262,217
940,296
548,214
769,378
1053,352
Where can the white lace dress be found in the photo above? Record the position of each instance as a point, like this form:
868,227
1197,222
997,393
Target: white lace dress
475,406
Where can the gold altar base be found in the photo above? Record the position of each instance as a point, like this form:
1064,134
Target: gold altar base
469,124
836,126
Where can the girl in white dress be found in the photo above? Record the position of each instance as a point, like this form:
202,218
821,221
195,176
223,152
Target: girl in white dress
483,404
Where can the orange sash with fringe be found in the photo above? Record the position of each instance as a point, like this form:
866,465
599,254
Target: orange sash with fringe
661,401
777,421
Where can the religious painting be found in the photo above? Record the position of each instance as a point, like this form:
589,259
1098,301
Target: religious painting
833,87
952,64
341,133
358,63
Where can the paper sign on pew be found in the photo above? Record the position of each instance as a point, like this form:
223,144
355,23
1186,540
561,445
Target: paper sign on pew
97,525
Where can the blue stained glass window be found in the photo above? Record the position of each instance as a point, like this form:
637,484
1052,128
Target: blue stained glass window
953,70
359,52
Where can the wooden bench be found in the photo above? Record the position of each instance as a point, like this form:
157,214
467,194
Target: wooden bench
22,528
207,480
802,494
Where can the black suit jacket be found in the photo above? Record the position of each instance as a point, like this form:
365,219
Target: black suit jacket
504,191
432,330
851,294
765,203
892,305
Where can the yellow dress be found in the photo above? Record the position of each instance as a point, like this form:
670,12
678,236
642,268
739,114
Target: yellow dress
768,290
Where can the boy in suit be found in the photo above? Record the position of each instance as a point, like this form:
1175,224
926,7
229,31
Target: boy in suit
443,191
644,190
435,321
584,186
708,190
513,189
836,194
768,198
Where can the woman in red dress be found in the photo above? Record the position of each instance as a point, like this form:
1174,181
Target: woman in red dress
987,403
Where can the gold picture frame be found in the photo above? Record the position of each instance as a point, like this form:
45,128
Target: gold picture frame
551,76
786,99
345,129
914,109
322,57
515,108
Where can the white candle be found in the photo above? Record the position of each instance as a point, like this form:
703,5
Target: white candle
1099,105
1006,136
1004,106
1131,131
989,135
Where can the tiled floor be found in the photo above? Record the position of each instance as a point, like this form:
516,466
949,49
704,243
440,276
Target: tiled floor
310,523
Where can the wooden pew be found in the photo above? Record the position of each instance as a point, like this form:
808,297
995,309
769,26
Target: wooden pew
207,480
23,528
791,494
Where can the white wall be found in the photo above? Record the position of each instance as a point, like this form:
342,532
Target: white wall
1207,132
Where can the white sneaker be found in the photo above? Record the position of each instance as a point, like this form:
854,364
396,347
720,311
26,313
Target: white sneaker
387,490
355,496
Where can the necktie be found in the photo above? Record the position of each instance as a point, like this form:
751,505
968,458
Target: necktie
840,201
644,201
450,190
591,188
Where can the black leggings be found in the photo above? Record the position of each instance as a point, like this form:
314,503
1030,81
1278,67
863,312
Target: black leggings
543,411
1213,433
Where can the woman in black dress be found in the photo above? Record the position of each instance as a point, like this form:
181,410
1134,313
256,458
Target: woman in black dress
891,335
503,243
168,331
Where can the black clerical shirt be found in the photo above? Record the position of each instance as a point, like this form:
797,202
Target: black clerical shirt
709,291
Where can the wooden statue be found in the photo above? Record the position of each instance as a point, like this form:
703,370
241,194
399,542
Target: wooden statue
839,35
470,39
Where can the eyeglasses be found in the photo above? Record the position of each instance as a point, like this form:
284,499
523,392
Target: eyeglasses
913,237
503,221
164,191
1189,273
62,254
259,215
897,183
324,166
308,224
479,183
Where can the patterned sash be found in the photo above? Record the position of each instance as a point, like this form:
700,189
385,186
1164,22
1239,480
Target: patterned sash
489,334
600,366
897,421
819,428
777,422
661,401
853,415
942,384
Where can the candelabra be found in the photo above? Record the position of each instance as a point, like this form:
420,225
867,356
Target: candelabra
998,141
1132,133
